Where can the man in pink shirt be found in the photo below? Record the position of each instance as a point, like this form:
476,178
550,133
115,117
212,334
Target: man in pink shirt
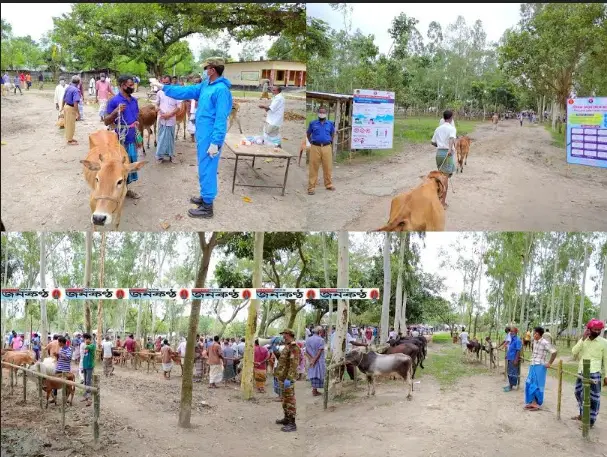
103,89
17,343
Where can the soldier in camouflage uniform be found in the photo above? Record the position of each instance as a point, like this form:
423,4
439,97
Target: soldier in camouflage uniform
286,372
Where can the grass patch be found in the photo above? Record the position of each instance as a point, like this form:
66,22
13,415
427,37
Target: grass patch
558,139
441,338
448,366
418,130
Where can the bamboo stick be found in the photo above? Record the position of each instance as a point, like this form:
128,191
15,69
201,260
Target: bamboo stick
63,394
96,407
40,387
559,395
53,378
12,378
24,388
586,402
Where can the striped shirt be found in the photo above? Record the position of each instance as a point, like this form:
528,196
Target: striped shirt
64,361
541,349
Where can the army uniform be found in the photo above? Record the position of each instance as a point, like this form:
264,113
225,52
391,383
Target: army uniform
287,370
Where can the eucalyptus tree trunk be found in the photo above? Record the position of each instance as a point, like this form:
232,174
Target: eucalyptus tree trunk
554,284
43,314
325,264
246,380
399,284
88,266
385,308
580,322
342,305
138,328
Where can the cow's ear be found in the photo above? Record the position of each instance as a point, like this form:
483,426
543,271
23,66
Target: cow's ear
136,166
93,166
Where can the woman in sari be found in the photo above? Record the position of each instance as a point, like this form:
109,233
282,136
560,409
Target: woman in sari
260,360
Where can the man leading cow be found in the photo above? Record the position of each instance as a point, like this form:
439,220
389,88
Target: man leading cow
444,140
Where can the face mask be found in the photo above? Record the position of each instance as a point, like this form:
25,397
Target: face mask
103,79
205,74
129,90
62,83
322,116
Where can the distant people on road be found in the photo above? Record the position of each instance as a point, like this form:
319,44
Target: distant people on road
92,86
40,81
17,83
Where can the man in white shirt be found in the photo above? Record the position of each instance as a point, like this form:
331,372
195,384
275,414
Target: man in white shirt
59,93
442,121
392,334
444,140
274,118
463,338
350,341
92,86
415,333
108,369
181,348
168,108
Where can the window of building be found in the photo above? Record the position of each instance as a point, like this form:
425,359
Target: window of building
280,75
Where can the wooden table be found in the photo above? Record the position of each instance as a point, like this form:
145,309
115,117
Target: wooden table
254,151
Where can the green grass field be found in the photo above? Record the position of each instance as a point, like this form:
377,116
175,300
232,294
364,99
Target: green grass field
558,140
447,367
418,130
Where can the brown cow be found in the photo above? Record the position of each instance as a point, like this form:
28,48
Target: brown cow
412,351
146,121
182,117
305,146
48,385
21,358
462,146
234,117
419,209
105,170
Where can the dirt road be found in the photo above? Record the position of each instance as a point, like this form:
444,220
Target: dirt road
43,187
472,418
515,180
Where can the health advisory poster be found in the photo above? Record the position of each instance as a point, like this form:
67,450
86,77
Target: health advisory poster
587,131
372,119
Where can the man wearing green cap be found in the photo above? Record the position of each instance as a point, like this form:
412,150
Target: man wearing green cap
213,108
286,372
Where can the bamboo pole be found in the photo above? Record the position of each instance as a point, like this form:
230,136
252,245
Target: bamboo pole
96,407
586,402
559,395
40,386
24,388
63,395
52,378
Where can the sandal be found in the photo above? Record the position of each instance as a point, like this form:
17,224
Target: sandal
311,192
576,418
159,161
172,160
72,143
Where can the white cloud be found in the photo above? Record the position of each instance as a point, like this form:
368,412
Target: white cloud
376,18
36,25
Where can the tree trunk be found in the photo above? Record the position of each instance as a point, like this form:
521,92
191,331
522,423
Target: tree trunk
185,406
403,311
342,305
246,380
385,308
43,315
554,282
138,329
580,322
100,303
88,242
603,311
4,286
325,264
399,284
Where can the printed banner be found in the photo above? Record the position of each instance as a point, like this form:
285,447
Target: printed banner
372,119
587,131
188,294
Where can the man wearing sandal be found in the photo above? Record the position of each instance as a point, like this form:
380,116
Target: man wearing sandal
538,369
513,358
69,106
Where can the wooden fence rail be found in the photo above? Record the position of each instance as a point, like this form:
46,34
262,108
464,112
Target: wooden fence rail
95,389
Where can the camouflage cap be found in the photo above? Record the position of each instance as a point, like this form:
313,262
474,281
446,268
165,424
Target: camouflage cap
213,62
288,331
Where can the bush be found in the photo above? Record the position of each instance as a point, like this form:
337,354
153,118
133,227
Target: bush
441,338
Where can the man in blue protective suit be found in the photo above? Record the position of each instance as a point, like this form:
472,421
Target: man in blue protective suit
214,106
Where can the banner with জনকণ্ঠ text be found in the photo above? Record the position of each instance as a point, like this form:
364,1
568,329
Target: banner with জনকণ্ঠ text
587,131
372,119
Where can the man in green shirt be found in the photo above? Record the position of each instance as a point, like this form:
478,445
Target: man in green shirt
88,364
591,347
150,344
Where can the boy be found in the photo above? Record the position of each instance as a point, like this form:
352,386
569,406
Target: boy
88,365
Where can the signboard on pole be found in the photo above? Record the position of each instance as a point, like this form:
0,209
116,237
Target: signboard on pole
372,119
587,131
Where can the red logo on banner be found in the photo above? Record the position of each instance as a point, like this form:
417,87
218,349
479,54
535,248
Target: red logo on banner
374,294
184,294
311,295
120,294
56,294
246,294
571,101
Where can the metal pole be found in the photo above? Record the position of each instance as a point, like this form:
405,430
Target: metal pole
586,402
559,396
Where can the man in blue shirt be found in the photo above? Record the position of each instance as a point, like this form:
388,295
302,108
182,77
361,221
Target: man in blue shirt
321,133
123,111
69,106
213,108
513,358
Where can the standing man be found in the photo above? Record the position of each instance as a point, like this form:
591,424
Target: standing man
59,93
215,365
40,81
6,84
513,357
536,378
315,353
108,369
28,80
444,141
264,90
168,108
166,359
17,83
495,119
181,348
274,118
125,105
103,92
369,334
69,106
36,345
463,339
22,80
321,133
64,359
214,107
88,364
547,335
92,86
286,372
591,347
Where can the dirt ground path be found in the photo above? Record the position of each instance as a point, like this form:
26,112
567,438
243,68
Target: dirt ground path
473,418
515,180
43,186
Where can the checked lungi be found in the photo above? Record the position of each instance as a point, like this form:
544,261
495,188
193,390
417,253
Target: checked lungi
595,395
